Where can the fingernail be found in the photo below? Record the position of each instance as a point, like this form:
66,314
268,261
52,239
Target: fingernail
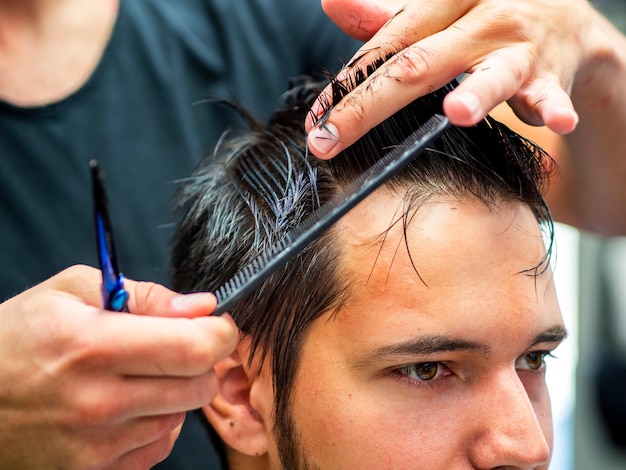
471,103
323,139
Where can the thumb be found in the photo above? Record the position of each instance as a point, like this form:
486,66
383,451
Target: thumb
145,298
149,298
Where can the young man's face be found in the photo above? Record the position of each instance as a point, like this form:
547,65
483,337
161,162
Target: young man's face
443,372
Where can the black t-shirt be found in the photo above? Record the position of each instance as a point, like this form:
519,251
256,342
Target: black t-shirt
147,115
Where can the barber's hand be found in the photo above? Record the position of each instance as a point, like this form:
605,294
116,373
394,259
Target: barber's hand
84,388
526,52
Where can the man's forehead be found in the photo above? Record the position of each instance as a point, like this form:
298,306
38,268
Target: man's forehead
384,225
452,261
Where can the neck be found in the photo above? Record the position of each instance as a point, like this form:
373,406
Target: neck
48,48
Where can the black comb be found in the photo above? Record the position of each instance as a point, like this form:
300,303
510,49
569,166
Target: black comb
258,270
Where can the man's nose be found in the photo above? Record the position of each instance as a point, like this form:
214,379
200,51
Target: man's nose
508,431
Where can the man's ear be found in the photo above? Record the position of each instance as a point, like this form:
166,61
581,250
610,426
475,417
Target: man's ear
231,413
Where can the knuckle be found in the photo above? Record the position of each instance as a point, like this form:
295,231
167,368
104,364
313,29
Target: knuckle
170,424
69,277
214,340
208,388
527,107
78,270
199,355
144,457
85,350
190,352
144,291
163,449
509,19
148,295
353,105
410,65
93,411
512,63
200,390
155,452
92,456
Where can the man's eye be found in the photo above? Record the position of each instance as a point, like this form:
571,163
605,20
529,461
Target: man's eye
423,371
533,361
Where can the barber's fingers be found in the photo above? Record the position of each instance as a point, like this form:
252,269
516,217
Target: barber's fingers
513,47
546,103
146,456
84,337
77,338
151,346
94,346
408,33
135,443
506,76
76,369
411,73
145,298
101,402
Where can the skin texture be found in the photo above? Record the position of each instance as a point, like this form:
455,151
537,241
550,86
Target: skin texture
357,397
48,49
570,79
96,389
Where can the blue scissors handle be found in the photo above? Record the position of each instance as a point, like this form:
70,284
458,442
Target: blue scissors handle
114,296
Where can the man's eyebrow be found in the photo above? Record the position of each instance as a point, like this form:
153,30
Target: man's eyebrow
427,345
423,345
554,334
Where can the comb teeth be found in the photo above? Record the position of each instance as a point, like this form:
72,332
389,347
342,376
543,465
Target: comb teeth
244,281
258,270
